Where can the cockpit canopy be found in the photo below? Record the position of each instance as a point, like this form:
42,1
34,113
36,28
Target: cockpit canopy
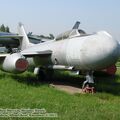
70,34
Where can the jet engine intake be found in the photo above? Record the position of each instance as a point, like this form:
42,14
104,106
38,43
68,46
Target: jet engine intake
15,63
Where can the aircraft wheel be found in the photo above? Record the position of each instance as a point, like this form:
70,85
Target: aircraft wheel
41,74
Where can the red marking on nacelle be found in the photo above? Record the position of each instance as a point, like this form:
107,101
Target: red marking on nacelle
111,70
21,64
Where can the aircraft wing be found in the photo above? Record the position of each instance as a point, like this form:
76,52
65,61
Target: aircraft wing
11,36
2,57
30,54
37,53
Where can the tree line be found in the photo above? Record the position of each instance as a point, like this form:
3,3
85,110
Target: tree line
4,28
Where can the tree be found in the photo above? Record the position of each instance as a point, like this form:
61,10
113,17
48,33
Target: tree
2,28
7,29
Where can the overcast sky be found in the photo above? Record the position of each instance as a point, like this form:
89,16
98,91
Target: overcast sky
55,16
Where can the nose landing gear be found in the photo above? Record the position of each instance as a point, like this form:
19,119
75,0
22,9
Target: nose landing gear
88,84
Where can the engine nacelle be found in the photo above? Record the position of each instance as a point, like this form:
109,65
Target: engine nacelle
15,63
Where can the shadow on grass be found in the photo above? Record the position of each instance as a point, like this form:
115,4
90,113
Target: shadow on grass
28,79
103,83
60,78
67,79
108,84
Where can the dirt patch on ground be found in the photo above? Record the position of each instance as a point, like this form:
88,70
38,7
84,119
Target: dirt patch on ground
67,88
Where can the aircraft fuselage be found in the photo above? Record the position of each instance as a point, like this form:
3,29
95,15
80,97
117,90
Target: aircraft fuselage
92,52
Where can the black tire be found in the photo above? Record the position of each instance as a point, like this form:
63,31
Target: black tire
41,75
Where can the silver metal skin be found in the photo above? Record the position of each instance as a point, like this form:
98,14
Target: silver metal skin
15,63
91,52
72,50
87,52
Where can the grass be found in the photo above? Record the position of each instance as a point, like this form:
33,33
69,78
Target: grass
25,91
118,64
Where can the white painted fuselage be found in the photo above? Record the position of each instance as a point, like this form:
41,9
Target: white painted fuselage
90,52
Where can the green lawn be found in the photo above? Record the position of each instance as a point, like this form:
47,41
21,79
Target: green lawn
25,91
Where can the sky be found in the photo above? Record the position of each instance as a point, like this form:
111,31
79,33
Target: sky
56,16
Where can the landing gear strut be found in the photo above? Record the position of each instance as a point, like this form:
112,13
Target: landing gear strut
88,84
44,74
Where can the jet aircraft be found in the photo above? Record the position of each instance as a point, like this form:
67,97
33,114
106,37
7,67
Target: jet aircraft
11,41
73,50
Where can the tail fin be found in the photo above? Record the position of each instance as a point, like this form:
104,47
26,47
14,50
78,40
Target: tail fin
24,42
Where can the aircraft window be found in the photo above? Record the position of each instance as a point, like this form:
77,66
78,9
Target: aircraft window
81,31
74,33
63,35
71,33
59,37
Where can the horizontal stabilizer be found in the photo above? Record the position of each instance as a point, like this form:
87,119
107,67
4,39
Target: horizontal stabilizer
2,57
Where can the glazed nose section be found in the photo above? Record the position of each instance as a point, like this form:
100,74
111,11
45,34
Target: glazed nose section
108,52
112,49
104,51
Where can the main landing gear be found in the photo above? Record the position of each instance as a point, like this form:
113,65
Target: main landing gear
44,74
88,84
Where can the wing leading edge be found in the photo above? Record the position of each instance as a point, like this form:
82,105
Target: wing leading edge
11,36
37,53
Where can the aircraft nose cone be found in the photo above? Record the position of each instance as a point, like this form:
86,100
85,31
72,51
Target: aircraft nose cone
102,51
